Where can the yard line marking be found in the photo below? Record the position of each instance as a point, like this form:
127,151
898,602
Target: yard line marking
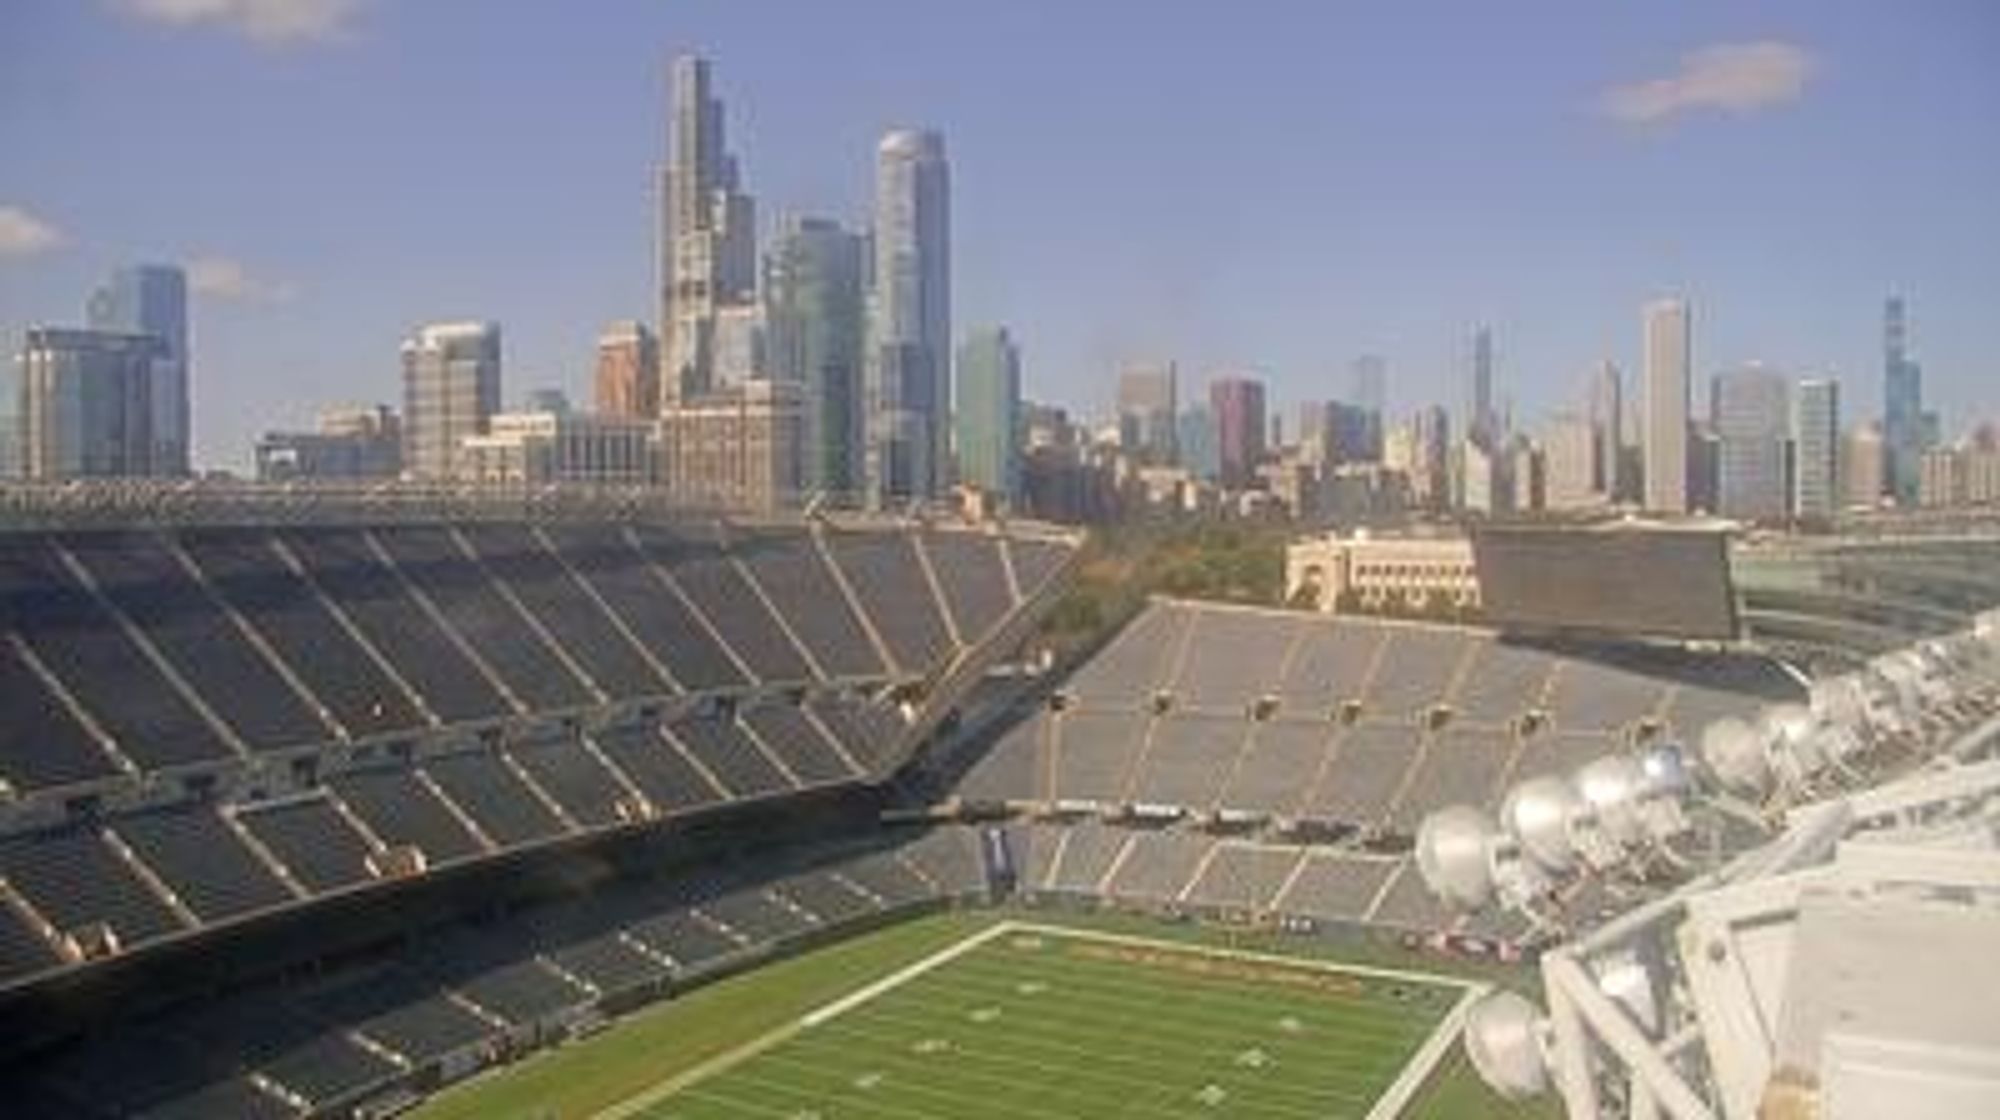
640,1103
1418,1069
903,975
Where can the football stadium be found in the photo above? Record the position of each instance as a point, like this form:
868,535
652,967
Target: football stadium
364,805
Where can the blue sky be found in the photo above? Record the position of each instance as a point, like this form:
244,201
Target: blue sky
1256,185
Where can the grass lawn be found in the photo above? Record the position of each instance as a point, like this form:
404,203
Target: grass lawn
1025,1023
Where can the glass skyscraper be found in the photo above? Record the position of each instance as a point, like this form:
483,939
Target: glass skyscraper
151,299
988,414
1816,448
815,311
908,390
1905,430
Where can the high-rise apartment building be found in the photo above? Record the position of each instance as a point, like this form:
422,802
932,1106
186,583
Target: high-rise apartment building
1664,425
1816,448
815,321
708,234
1237,405
451,387
86,405
628,371
909,375
1148,407
152,299
1750,413
988,412
1906,431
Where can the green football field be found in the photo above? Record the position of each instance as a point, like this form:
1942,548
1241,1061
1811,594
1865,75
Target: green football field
1027,1020
976,1014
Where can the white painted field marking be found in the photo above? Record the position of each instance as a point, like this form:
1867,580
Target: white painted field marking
904,975
634,1105
1418,1069
1414,1072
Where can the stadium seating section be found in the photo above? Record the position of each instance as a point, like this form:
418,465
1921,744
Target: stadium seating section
206,723
1223,730
462,998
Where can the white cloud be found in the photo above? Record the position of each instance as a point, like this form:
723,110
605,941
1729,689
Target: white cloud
23,235
226,278
1731,77
266,21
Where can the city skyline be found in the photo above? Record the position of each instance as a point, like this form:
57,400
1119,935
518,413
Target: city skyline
293,315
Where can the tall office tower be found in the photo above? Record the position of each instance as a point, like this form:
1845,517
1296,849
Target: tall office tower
815,322
152,299
1863,465
1751,417
1370,384
1570,462
451,388
86,404
628,371
1334,434
1430,458
1482,423
1606,419
1195,439
1237,404
707,234
740,351
1148,407
1668,342
989,411
1906,432
908,390
1816,447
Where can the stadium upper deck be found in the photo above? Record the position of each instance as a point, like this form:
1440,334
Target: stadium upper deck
208,721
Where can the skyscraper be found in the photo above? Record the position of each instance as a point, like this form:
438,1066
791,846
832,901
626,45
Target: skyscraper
1237,404
1905,429
1481,422
628,371
988,412
1370,384
1668,341
1147,405
1606,419
1816,447
152,299
908,391
451,388
86,403
815,313
708,234
1750,414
